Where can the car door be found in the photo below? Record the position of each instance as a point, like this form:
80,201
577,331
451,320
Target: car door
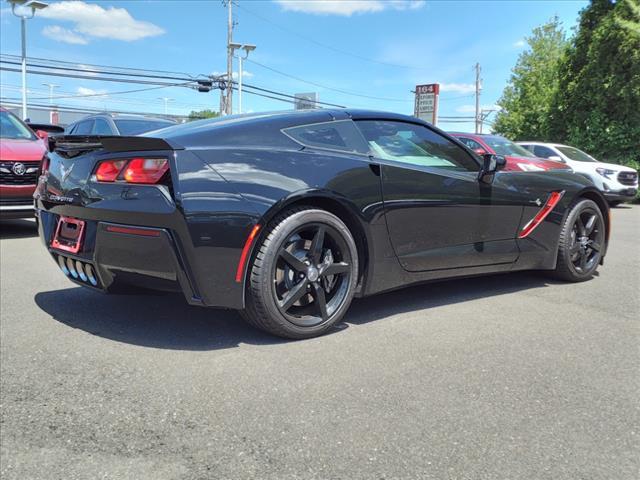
439,215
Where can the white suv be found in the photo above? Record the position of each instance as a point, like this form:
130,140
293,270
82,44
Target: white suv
617,183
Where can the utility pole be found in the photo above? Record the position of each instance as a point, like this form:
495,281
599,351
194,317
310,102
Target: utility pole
478,88
228,110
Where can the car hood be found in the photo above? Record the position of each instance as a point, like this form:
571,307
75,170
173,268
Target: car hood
531,164
12,149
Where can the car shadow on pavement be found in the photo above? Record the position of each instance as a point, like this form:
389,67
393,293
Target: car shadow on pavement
18,229
448,292
166,321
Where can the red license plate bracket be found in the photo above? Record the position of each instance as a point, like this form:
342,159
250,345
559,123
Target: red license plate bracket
68,235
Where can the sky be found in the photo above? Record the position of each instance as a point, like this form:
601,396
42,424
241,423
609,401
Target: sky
364,54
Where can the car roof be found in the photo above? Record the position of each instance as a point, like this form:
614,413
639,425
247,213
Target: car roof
124,116
549,144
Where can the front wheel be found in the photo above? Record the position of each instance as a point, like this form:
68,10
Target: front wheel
303,276
581,242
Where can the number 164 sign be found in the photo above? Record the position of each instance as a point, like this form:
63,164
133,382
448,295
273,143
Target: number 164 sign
426,102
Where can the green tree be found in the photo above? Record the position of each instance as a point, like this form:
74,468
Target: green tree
199,115
597,105
526,100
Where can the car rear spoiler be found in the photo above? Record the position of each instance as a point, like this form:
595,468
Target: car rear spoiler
75,144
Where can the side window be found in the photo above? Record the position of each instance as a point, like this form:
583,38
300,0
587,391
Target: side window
413,144
83,128
101,127
543,152
472,144
340,135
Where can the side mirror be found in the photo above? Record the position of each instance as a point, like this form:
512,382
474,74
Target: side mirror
490,165
480,151
42,134
556,158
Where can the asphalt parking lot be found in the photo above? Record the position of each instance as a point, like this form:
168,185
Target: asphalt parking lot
506,377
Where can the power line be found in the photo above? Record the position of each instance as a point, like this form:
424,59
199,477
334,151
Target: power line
346,92
89,74
47,60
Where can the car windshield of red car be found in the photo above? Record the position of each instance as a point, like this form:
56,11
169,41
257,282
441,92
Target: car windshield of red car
502,146
11,127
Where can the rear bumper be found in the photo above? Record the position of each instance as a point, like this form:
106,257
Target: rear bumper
122,259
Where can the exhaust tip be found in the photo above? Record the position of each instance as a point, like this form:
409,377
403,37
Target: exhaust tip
80,270
62,265
72,268
88,270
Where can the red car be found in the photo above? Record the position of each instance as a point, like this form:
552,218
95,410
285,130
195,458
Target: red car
21,152
518,158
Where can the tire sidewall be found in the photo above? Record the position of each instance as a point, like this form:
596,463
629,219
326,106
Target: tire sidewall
577,209
279,233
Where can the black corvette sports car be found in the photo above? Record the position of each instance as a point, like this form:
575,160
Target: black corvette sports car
287,216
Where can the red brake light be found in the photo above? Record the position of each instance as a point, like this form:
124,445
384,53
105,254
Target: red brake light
145,170
109,170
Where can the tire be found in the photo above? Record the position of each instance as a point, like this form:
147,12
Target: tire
615,203
303,275
581,242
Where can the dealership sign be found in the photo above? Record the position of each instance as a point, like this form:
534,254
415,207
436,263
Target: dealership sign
426,103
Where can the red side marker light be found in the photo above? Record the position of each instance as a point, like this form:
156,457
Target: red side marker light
245,252
549,205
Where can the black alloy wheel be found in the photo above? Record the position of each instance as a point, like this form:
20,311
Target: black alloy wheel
311,274
303,275
582,242
586,239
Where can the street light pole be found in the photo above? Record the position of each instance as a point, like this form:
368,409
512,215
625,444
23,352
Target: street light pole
51,87
34,5
247,48
166,102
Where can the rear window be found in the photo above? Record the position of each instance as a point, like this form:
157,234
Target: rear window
136,127
341,135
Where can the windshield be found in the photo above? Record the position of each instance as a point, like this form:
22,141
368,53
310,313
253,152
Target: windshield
502,146
136,127
577,155
11,127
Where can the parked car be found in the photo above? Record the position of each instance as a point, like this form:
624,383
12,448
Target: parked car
286,216
617,182
117,124
518,159
21,152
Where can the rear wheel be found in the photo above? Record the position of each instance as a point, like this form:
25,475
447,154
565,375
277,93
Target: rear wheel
303,276
581,242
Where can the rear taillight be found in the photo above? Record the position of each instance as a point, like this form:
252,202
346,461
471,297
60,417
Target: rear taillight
145,170
134,170
109,170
